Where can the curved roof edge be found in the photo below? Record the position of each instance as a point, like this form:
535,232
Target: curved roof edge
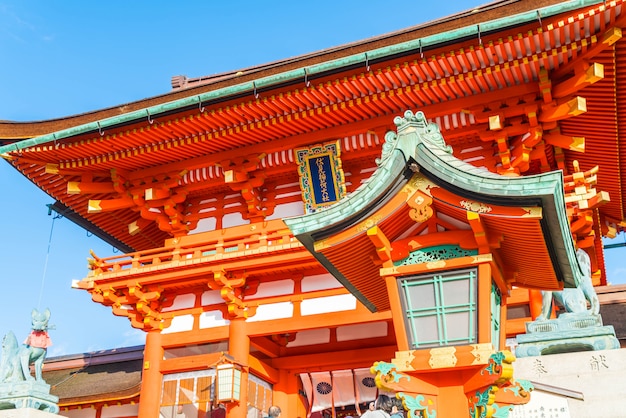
545,190
288,76
419,145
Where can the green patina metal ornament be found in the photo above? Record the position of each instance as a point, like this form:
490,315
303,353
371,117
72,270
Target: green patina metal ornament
18,388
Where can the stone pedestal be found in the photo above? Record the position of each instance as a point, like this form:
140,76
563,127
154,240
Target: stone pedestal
29,394
569,333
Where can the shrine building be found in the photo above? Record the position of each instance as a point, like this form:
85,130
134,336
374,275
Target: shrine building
376,218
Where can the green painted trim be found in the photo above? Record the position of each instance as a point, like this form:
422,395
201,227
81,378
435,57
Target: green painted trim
435,253
301,73
496,315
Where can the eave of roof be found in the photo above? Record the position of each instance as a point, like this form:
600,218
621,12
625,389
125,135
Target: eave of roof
238,122
99,383
103,376
68,213
296,75
94,357
545,190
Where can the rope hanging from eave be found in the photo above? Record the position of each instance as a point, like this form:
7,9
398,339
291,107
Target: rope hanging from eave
45,266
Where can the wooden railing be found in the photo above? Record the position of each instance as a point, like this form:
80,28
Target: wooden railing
226,243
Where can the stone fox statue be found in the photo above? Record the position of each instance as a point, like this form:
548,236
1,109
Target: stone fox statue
575,299
16,359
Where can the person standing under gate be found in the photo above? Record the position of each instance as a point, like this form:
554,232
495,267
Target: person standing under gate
382,408
273,412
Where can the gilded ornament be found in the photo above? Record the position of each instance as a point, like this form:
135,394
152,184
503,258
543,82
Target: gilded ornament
421,214
442,357
481,353
421,210
422,184
367,224
320,245
403,361
477,207
532,212
436,264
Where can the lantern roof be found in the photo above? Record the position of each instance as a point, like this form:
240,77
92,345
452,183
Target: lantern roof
507,209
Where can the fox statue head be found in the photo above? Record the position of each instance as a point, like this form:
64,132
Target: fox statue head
39,320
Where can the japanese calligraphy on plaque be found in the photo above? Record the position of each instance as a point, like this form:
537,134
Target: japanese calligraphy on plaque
542,405
321,176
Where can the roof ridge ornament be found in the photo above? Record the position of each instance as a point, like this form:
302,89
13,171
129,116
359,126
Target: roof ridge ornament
426,132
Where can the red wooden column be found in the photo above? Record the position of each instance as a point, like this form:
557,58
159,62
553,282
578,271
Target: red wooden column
150,395
286,396
239,348
535,300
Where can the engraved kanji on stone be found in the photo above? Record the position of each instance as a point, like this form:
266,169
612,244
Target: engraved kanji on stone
598,362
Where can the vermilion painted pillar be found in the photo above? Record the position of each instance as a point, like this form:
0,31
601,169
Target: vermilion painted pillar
150,395
239,348
286,394
535,300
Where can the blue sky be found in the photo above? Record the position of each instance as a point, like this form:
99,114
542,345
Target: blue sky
59,58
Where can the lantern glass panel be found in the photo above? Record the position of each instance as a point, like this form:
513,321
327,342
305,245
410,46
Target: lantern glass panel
228,382
440,309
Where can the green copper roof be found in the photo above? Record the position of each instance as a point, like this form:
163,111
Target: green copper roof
299,74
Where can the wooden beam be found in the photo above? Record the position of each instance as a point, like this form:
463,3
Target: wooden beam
195,337
361,315
263,370
380,241
573,143
574,107
294,324
333,360
188,363
480,235
97,206
154,193
138,225
266,346
583,78
593,49
83,187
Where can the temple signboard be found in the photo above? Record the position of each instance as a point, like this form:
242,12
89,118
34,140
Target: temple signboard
321,176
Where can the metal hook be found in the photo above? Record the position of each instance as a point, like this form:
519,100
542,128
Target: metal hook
256,95
54,137
306,78
200,105
100,131
150,120
421,50
367,62
539,18
480,40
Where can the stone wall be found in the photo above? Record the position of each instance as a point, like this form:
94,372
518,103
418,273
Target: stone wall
561,380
